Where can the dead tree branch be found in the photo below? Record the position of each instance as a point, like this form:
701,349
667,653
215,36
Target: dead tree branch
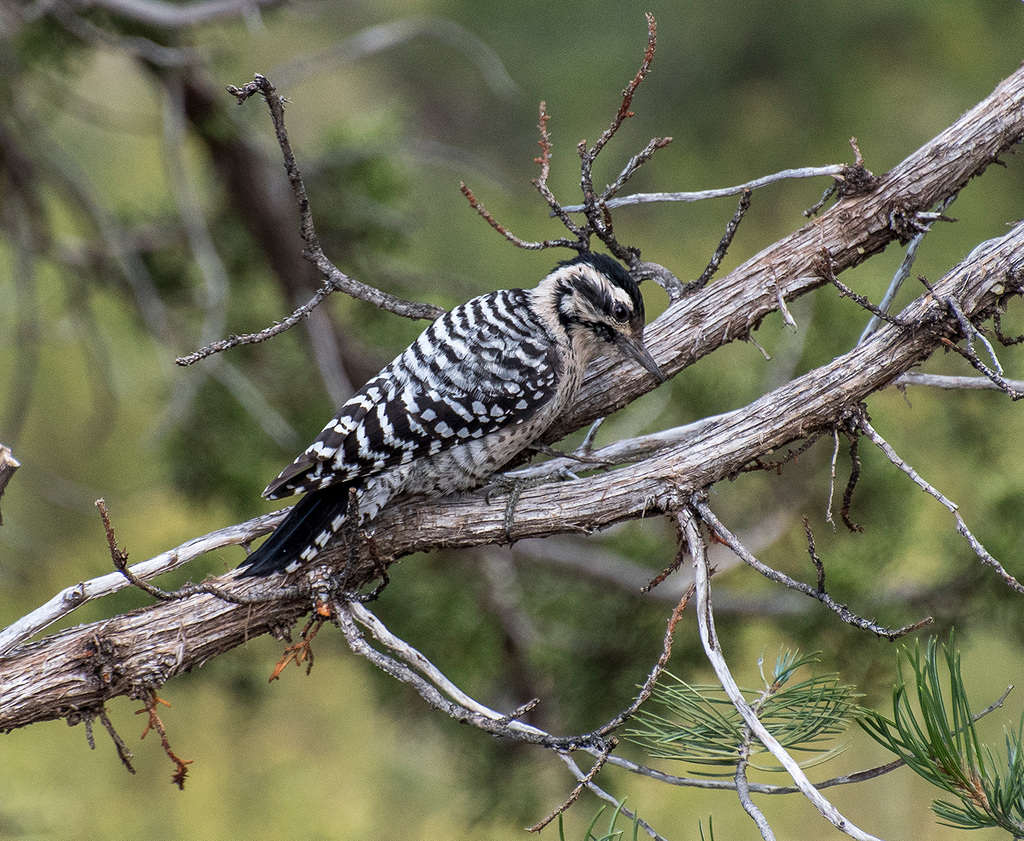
700,505
713,649
55,677
831,171
857,227
334,279
947,503
71,674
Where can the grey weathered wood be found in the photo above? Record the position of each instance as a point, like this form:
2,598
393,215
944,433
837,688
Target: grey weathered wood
75,671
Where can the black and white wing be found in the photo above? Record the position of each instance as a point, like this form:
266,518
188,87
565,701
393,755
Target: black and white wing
487,365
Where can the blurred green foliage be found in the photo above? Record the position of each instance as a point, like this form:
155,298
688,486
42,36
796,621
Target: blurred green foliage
93,405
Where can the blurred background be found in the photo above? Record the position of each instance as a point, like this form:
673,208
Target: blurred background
144,213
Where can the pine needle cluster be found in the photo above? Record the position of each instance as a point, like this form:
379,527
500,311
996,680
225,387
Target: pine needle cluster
698,724
939,741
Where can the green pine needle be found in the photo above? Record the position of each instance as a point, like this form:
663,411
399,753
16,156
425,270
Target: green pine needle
939,741
613,833
698,723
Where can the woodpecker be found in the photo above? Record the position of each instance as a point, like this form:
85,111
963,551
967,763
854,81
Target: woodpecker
478,386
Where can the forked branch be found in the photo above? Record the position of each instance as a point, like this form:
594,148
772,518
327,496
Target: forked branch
713,650
334,279
594,207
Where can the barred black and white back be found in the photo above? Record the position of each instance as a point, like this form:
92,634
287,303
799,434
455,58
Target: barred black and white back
478,386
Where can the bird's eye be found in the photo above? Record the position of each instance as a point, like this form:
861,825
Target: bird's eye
620,312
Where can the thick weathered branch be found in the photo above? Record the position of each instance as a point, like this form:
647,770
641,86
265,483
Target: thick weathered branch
75,671
815,401
80,668
854,229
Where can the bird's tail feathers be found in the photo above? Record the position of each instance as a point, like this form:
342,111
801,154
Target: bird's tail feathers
311,516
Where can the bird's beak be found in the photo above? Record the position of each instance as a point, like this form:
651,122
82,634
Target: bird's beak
633,347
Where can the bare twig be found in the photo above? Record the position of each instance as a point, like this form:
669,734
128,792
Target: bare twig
830,191
604,795
996,378
599,221
511,237
997,327
574,795
971,333
818,565
907,222
723,247
699,502
665,573
123,753
845,291
755,788
776,466
150,699
955,383
627,95
743,787
619,452
947,503
851,483
723,192
334,279
656,672
254,338
120,558
832,479
902,273
787,316
541,182
308,587
594,208
442,694
634,163
587,445
712,648
301,652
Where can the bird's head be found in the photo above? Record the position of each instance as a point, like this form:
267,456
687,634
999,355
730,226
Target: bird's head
594,300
